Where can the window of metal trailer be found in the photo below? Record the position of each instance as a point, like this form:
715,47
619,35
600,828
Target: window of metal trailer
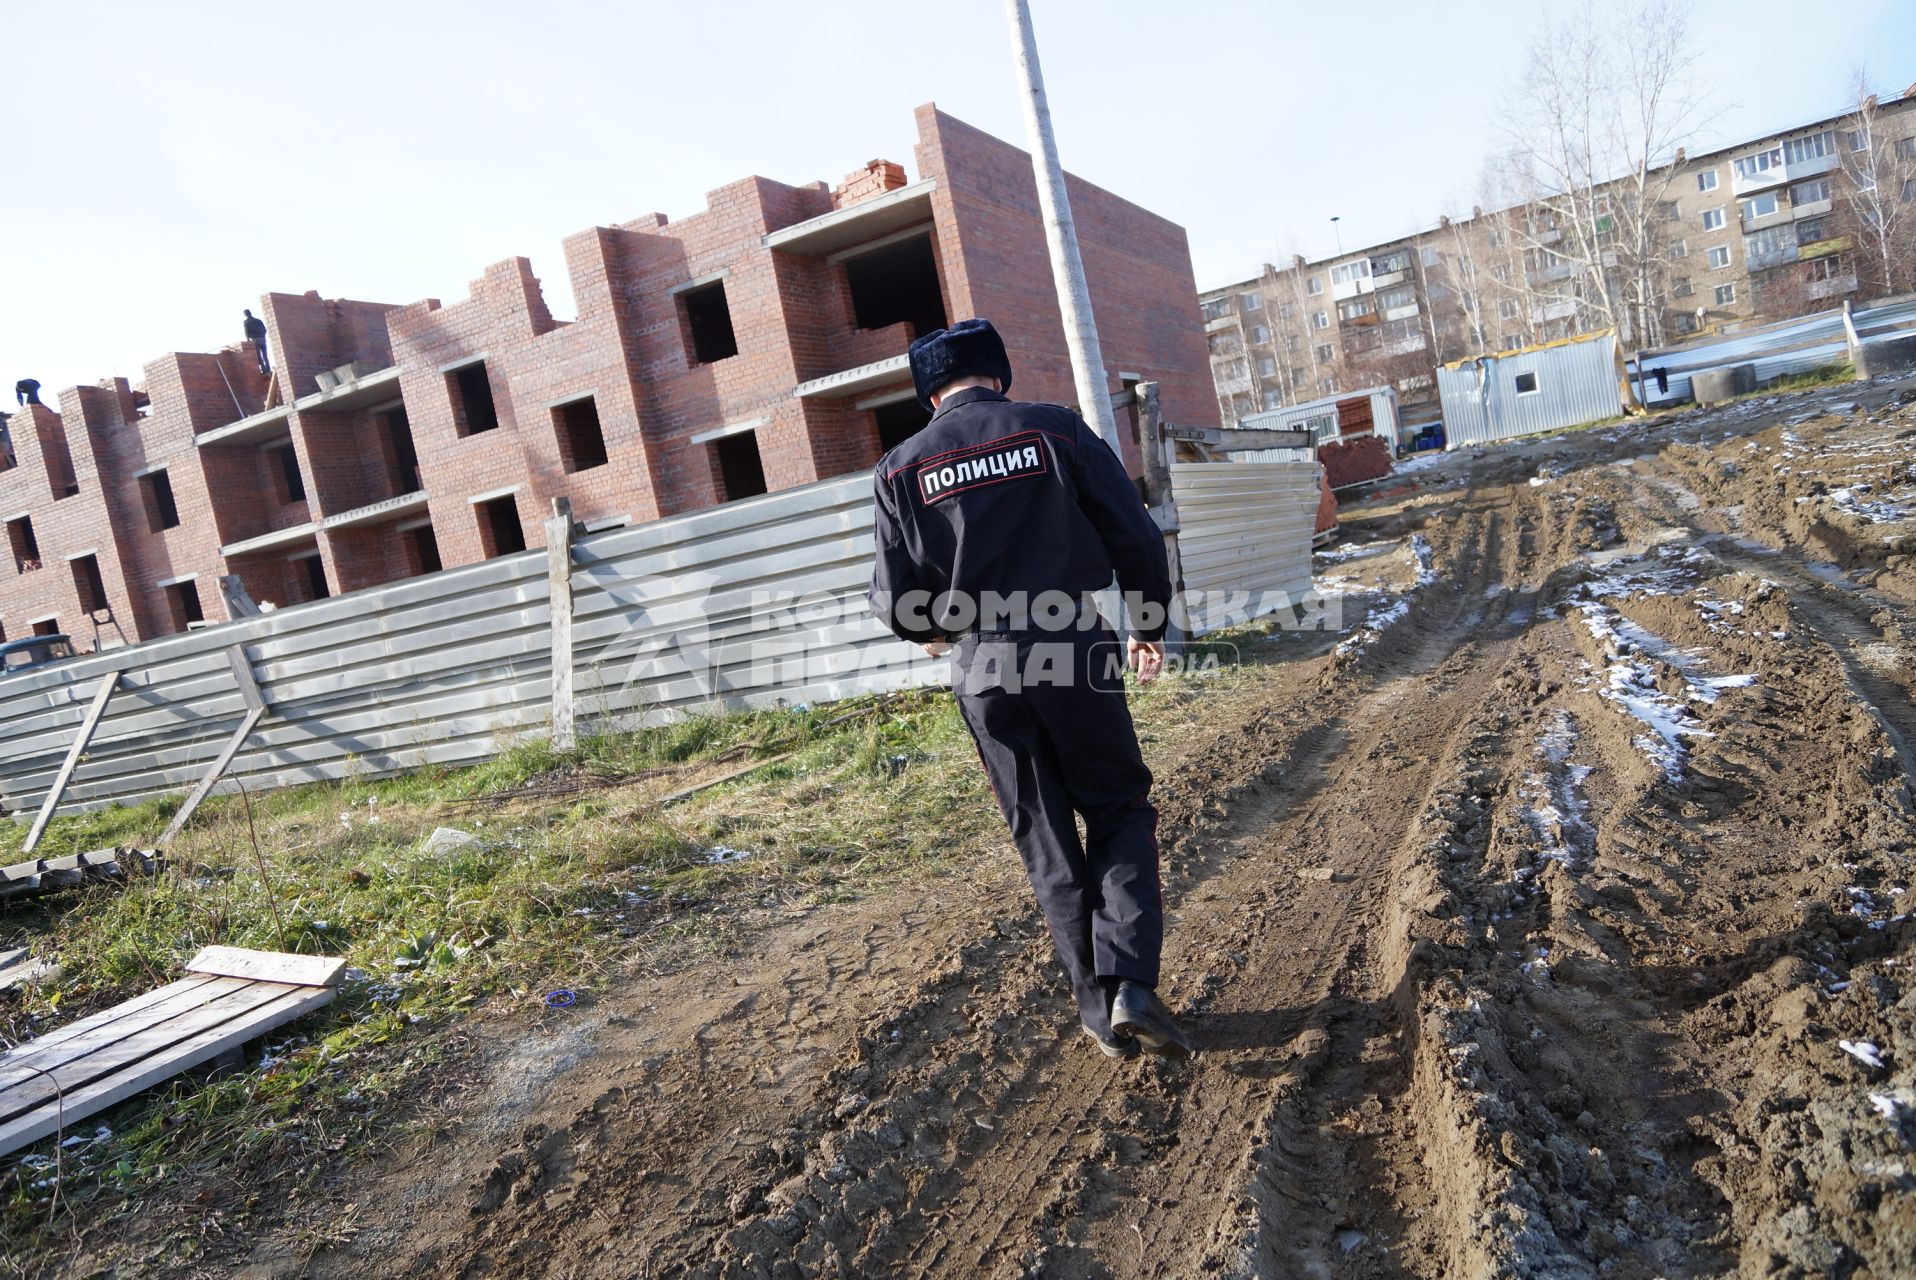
1526,384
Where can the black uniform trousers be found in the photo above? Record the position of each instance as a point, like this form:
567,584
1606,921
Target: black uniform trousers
1047,711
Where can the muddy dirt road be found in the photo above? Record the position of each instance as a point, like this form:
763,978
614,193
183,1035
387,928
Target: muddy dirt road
1554,925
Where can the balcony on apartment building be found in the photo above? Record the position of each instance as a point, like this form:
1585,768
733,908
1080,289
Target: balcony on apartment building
883,249
1790,160
1557,309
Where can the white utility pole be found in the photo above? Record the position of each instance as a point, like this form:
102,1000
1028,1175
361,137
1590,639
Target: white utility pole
1061,235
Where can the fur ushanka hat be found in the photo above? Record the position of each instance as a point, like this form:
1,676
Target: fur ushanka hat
969,348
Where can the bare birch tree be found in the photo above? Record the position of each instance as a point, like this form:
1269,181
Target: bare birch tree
1877,201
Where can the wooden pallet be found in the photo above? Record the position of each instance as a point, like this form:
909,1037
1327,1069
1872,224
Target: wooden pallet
231,996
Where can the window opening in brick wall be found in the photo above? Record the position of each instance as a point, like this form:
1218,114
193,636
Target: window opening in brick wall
741,470
708,324
88,584
311,571
500,533
161,511
405,457
47,627
26,547
473,409
581,438
899,422
897,283
285,461
422,550
183,602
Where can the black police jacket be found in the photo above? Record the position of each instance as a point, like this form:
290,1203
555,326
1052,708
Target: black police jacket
998,501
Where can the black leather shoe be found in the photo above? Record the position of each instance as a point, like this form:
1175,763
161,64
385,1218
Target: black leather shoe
1113,1046
1137,1011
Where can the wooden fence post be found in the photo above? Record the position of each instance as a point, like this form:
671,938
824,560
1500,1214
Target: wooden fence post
1157,492
559,575
72,762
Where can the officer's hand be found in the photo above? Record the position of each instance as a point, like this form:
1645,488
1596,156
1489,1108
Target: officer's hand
938,648
1147,656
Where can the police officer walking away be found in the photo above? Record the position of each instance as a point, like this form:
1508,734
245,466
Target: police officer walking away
994,526
256,334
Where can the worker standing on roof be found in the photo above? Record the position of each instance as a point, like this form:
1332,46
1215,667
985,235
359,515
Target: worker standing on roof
27,391
995,524
256,334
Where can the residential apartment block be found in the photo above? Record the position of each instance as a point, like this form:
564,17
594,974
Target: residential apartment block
757,345
1770,228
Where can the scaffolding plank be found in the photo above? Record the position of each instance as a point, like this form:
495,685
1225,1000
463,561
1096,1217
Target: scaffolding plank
290,1002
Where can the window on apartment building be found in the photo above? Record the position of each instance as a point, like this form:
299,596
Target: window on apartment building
1810,230
1829,268
310,573
283,462
1909,190
1260,334
1217,309
1500,274
1349,271
1760,206
1396,260
899,421
1706,181
1855,139
1325,352
1906,148
1391,299
1231,370
706,321
88,585
581,438
1285,311
1865,179
1314,286
1712,219
1273,399
1725,294
1266,367
156,491
1719,257
1813,192
1681,288
1679,248
1493,238
25,547
473,408
1292,342
1671,211
737,465
1507,307
183,605
1431,256
1814,147
404,456
500,533
1683,322
1757,165
1327,386
1252,302
1526,384
1322,320
1511,341
892,284
1357,308
421,547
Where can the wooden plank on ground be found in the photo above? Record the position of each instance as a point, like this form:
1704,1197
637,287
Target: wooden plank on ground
213,774
72,762
24,1088
73,1107
268,966
56,1045
730,774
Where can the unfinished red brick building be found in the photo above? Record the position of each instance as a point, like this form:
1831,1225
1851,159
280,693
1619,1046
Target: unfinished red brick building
757,345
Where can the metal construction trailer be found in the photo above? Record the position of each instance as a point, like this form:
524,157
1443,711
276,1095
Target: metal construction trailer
1519,393
1351,415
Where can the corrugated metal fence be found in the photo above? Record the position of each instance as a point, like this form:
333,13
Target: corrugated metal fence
752,603
1790,346
1565,384
1247,531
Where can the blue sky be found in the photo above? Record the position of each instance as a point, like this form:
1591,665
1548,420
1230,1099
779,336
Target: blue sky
170,163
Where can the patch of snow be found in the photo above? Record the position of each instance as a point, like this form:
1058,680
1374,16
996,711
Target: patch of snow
1421,549
1873,510
719,853
1863,1051
1374,626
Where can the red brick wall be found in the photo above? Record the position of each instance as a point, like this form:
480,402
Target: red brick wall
792,316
